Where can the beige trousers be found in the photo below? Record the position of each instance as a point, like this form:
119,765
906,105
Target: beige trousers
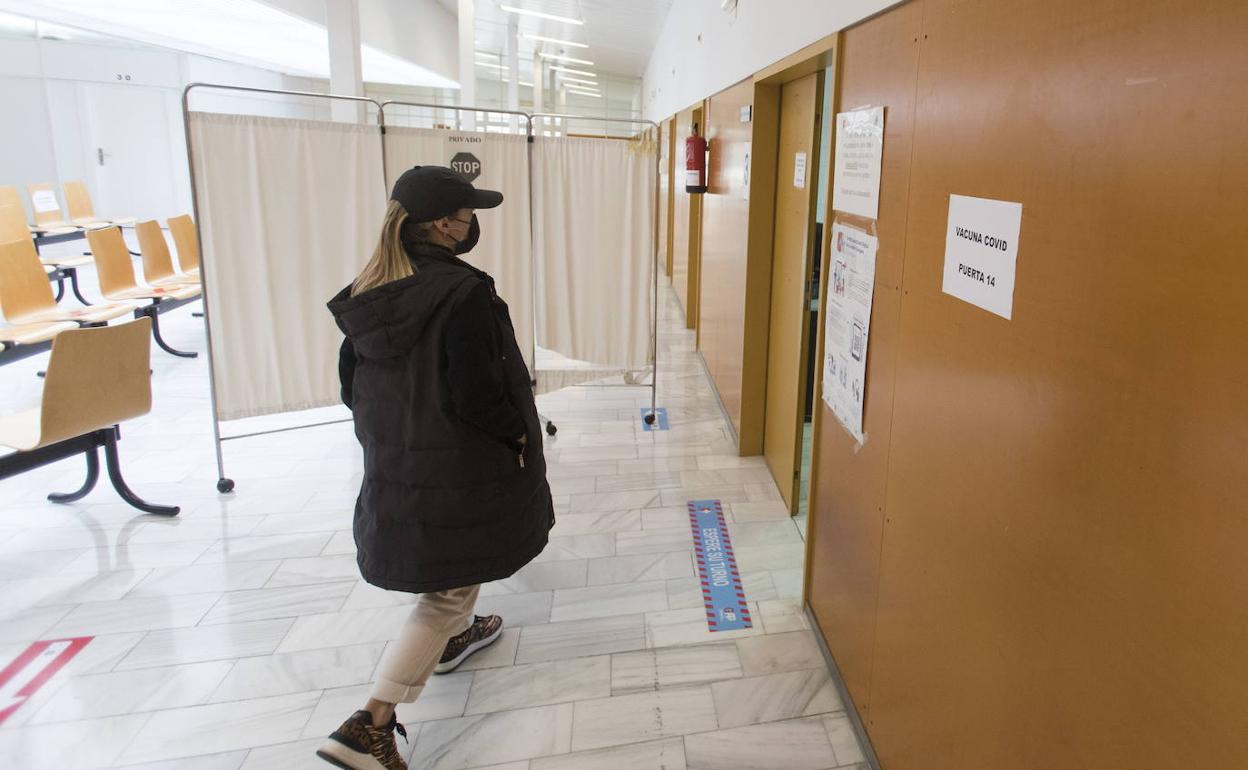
410,660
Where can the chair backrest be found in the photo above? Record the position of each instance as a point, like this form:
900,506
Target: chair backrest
157,264
79,201
24,287
97,377
186,241
112,260
13,225
43,201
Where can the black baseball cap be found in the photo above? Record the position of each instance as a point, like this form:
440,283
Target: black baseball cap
427,193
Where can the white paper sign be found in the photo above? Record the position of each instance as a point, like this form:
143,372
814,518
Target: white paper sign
847,325
859,153
981,252
799,170
44,201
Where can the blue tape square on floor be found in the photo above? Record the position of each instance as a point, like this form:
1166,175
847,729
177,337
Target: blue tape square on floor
660,419
722,592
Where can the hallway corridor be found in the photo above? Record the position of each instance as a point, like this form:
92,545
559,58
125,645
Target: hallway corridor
239,634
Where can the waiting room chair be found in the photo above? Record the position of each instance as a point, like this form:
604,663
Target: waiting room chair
13,226
48,213
26,296
82,213
115,271
20,341
157,263
186,241
97,378
9,196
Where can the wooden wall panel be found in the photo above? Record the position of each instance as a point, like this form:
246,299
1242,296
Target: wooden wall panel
725,234
1061,567
681,210
1066,537
878,65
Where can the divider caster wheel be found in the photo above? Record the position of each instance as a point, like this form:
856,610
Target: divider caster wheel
551,429
225,485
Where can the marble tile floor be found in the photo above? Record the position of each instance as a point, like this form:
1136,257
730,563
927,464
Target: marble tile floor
238,634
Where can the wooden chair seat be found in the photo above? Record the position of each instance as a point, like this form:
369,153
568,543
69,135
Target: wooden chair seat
29,334
21,430
85,316
66,261
53,230
154,292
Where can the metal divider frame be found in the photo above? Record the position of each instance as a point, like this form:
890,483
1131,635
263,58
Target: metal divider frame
654,325
224,483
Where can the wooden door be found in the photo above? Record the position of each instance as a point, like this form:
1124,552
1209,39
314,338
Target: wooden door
797,173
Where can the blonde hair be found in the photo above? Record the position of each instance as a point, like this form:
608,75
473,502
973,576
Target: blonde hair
389,261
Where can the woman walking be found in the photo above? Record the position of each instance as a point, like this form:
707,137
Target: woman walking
454,491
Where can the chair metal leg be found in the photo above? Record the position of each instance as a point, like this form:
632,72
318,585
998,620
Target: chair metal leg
93,475
60,289
155,316
73,282
113,461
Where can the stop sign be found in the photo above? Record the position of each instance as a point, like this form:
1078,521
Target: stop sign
466,165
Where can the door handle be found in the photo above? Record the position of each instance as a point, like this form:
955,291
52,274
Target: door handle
99,152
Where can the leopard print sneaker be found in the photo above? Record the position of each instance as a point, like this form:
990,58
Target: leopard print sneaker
357,745
483,632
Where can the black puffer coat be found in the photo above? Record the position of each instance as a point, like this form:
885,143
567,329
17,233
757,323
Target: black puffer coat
444,504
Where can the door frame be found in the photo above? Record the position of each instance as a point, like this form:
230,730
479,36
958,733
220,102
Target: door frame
818,57
781,458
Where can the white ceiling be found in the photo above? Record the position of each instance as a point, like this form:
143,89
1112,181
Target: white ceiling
242,31
620,33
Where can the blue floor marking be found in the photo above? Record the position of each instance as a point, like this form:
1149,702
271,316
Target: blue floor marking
660,419
722,592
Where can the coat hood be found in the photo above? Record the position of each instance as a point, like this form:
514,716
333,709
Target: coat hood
386,321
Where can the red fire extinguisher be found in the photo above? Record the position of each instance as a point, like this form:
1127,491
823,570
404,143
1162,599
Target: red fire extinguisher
695,163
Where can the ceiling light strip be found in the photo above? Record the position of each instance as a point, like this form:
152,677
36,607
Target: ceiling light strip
565,58
555,40
569,70
540,15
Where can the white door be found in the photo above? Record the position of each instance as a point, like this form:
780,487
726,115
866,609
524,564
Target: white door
129,148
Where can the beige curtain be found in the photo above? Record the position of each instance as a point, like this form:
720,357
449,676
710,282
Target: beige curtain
289,213
505,249
594,206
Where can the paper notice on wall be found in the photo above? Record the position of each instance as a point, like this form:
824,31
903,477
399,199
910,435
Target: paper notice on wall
44,201
981,252
847,325
799,170
859,154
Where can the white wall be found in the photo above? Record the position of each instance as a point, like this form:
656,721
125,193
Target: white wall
703,50
422,31
45,136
